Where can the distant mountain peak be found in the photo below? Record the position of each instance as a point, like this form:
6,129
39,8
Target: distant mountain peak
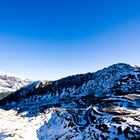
10,83
6,74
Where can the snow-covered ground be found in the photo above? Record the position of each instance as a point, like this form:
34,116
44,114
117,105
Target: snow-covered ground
104,105
58,124
16,127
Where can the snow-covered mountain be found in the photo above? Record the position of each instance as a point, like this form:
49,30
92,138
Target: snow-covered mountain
104,105
10,83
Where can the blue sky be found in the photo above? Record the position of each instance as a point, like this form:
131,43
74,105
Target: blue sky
50,39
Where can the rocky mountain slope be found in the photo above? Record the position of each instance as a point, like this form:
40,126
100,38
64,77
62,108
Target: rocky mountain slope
10,83
104,105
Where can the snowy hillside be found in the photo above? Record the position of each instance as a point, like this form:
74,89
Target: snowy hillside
10,83
104,105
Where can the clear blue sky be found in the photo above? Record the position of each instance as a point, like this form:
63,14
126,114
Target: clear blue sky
50,39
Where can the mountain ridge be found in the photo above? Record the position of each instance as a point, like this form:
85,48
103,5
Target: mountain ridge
101,105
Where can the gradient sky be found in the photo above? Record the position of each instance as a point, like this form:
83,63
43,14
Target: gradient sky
50,39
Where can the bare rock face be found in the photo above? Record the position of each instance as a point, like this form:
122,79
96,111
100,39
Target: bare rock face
104,105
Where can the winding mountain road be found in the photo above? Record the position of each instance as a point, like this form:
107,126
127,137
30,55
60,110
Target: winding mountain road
86,118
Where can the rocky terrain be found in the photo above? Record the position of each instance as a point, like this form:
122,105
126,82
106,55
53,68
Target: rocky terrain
104,105
10,83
